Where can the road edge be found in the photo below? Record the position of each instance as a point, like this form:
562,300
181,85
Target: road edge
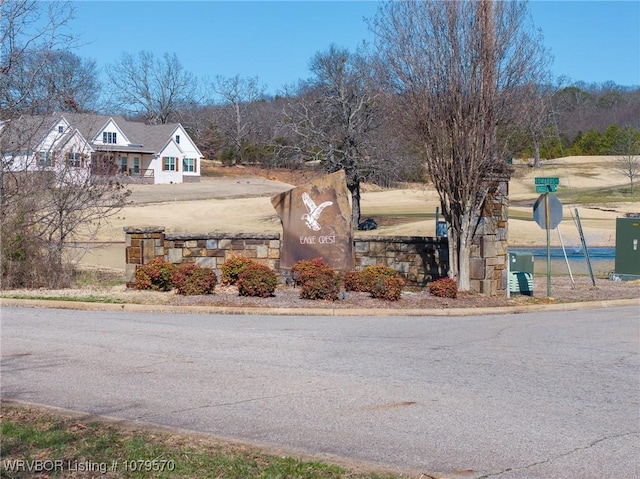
360,312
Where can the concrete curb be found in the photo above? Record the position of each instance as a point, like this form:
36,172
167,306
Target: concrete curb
222,310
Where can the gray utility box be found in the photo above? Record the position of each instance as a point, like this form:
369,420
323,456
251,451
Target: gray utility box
521,273
627,264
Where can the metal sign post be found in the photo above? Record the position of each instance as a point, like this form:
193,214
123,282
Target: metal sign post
547,222
584,248
548,217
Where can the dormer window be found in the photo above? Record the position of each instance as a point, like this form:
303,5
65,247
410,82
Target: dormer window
60,129
178,139
109,137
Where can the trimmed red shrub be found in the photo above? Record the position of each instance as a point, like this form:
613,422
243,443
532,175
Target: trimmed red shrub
305,268
156,275
374,273
323,285
444,288
233,267
389,288
317,279
192,279
355,281
381,281
257,280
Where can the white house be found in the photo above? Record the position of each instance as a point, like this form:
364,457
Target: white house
135,152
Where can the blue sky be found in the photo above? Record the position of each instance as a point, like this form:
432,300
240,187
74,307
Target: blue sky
591,41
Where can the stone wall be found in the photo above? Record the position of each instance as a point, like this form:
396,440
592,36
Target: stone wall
208,250
419,259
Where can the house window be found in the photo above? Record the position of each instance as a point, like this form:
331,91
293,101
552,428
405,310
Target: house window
45,159
178,139
109,137
189,165
123,164
136,166
74,159
169,163
60,129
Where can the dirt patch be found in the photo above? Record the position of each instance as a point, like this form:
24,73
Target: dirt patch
282,175
208,188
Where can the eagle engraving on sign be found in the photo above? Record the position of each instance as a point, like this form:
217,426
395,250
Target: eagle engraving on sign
313,211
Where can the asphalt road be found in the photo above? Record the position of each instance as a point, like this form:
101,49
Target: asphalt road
539,395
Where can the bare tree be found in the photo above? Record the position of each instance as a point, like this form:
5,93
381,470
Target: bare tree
42,207
28,26
627,160
48,209
44,81
153,88
25,26
333,121
457,68
235,116
536,115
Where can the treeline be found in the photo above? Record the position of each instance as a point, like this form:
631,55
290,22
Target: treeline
234,121
596,119
585,119
341,104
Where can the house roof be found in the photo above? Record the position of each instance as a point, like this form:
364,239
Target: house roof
25,133
28,131
150,137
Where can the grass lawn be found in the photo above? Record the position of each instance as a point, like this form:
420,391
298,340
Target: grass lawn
39,443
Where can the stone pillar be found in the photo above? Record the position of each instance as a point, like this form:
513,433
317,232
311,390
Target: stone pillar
489,250
142,245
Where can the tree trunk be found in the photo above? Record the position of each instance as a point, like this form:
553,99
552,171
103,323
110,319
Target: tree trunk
464,251
355,204
453,252
536,152
464,255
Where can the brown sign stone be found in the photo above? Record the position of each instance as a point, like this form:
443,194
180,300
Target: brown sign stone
316,222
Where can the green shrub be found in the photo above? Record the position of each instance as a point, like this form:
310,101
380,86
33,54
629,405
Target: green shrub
257,280
233,267
156,275
444,288
192,279
389,288
317,279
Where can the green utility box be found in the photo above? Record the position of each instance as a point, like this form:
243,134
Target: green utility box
627,265
521,273
521,262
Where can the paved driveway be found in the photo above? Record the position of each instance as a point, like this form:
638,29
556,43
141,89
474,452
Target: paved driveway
541,395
